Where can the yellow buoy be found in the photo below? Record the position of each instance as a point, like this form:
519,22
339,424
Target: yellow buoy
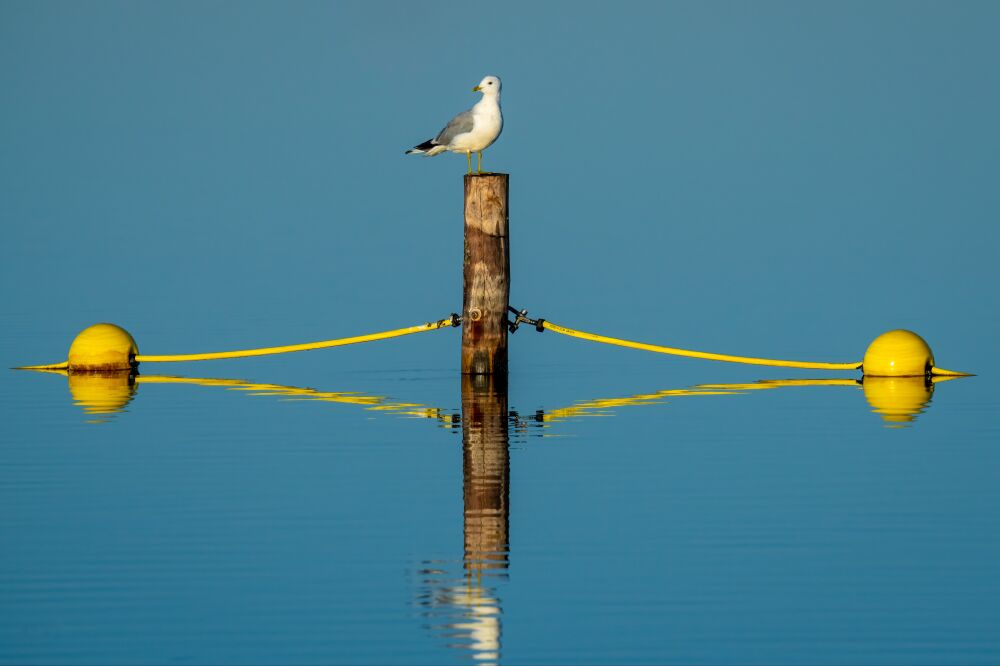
102,347
898,353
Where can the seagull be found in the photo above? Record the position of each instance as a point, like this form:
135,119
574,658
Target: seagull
471,131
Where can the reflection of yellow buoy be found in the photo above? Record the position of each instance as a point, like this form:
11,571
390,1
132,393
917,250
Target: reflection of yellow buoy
102,347
898,353
102,392
898,399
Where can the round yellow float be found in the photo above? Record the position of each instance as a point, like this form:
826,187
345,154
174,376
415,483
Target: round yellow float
102,347
898,353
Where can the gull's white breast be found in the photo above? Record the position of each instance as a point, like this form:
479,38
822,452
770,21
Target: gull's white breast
487,125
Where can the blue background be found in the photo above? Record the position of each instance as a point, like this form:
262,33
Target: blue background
767,178
772,179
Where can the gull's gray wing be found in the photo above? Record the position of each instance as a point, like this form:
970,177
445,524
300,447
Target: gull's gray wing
460,124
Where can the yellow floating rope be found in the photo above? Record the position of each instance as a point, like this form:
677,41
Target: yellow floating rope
108,347
697,354
323,344
123,337
52,367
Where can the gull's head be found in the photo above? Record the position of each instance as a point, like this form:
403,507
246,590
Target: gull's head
489,86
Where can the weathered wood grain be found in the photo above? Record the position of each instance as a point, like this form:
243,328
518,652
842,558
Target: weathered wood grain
486,272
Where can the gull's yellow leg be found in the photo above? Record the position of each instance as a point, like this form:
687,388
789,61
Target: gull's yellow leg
480,168
468,154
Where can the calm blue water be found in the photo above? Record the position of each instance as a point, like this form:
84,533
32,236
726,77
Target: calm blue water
261,524
779,179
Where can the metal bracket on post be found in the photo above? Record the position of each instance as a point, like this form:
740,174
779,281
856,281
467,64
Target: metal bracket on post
521,316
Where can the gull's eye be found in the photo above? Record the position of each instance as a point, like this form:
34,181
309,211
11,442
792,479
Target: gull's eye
490,83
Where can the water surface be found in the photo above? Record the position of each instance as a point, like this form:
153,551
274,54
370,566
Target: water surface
584,515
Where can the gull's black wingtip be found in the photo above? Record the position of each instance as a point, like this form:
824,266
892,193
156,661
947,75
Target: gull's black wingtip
422,148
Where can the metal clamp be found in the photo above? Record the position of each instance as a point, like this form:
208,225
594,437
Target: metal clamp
522,316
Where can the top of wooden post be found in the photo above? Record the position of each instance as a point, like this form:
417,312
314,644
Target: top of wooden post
487,175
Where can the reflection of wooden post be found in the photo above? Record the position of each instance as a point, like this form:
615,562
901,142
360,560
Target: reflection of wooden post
486,271
486,467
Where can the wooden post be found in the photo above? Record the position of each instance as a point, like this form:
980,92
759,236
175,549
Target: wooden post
486,272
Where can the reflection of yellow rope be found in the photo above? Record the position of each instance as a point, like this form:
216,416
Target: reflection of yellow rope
323,344
372,402
697,354
602,406
99,390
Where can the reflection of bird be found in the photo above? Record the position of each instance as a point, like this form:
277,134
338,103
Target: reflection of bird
471,131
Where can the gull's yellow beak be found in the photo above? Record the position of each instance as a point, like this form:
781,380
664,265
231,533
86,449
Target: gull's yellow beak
477,89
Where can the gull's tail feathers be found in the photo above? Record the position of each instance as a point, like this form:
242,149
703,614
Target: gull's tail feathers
427,148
